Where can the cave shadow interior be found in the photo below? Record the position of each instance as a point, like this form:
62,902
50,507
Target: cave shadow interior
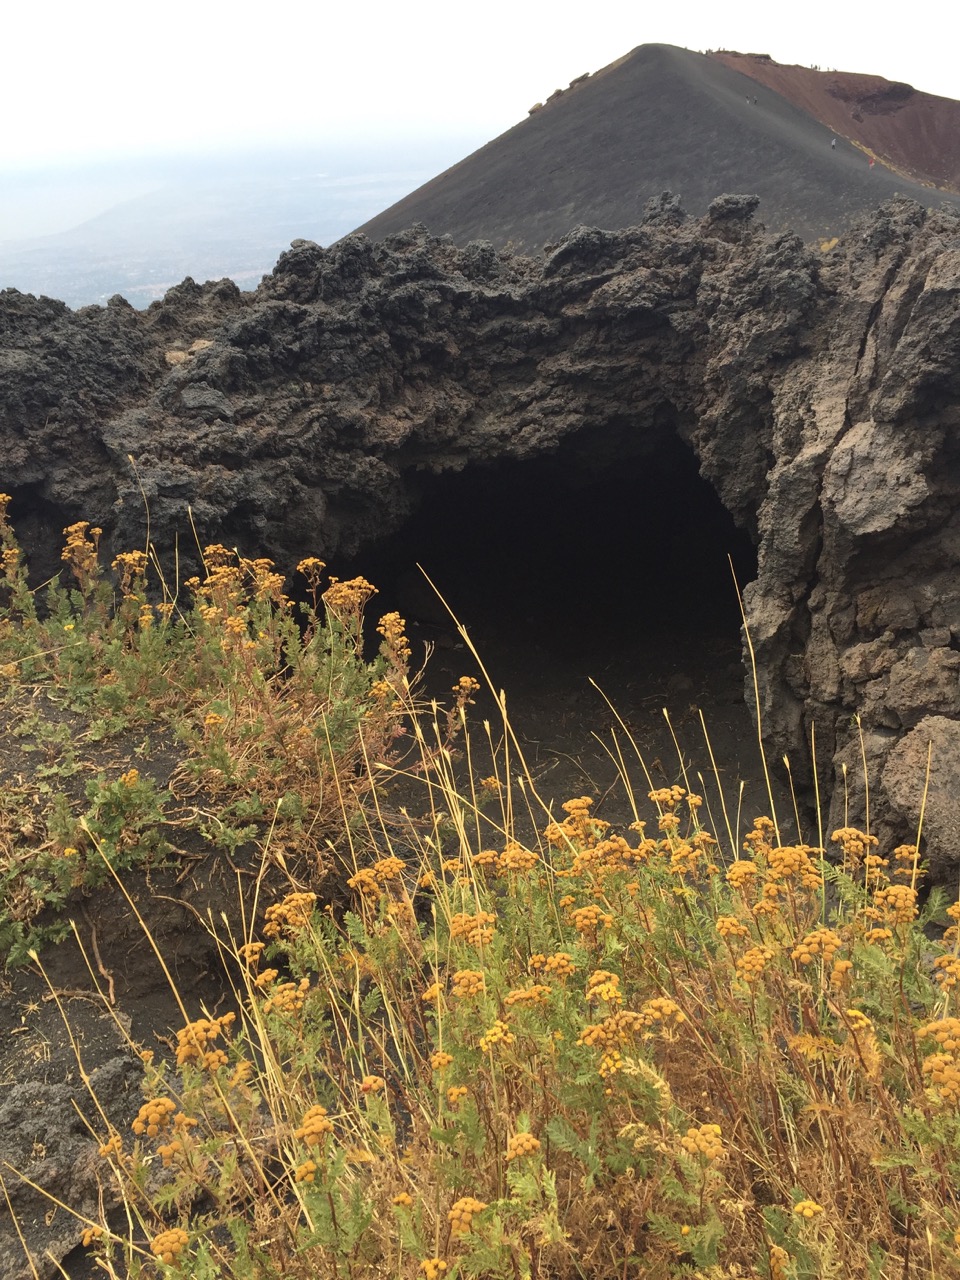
583,564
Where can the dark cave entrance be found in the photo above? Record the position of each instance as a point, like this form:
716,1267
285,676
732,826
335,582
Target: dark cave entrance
591,563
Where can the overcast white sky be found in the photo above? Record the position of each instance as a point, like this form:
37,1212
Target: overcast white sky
116,76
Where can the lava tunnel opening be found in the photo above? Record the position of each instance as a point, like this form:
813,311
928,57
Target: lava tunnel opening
587,565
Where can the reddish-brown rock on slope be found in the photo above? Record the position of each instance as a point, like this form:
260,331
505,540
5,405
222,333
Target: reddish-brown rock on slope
917,134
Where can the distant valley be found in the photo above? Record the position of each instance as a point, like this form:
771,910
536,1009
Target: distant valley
204,217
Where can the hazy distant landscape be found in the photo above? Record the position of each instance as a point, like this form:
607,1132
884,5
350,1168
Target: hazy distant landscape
140,228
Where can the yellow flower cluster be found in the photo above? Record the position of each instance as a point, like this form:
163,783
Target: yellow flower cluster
950,935
307,1171
578,828
485,858
468,982
840,972
874,869
742,873
311,568
661,1009
706,1141
944,1073
388,869
403,1200
855,844
315,1126
807,1209
522,1144
601,858
167,1151
792,862
288,997
731,927
89,1235
821,942
611,1061
401,913
80,551
194,1040
465,687
440,1059
365,882
393,630
456,1092
587,920
130,565
753,962
475,930
112,1147
946,971
898,902
779,1260
603,985
515,858
559,964
946,1032
908,856
626,1023
433,1268
290,916
461,1214
348,598
757,841
154,1116
536,994
499,1033
236,626
266,583
878,935
859,1022
667,797
372,1084
168,1245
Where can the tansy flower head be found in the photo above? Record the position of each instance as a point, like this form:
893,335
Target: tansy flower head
467,982
315,1127
499,1033
522,1144
705,1141
153,1117
168,1245
461,1214
807,1209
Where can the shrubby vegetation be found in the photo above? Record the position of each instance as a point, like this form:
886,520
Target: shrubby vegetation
513,1042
